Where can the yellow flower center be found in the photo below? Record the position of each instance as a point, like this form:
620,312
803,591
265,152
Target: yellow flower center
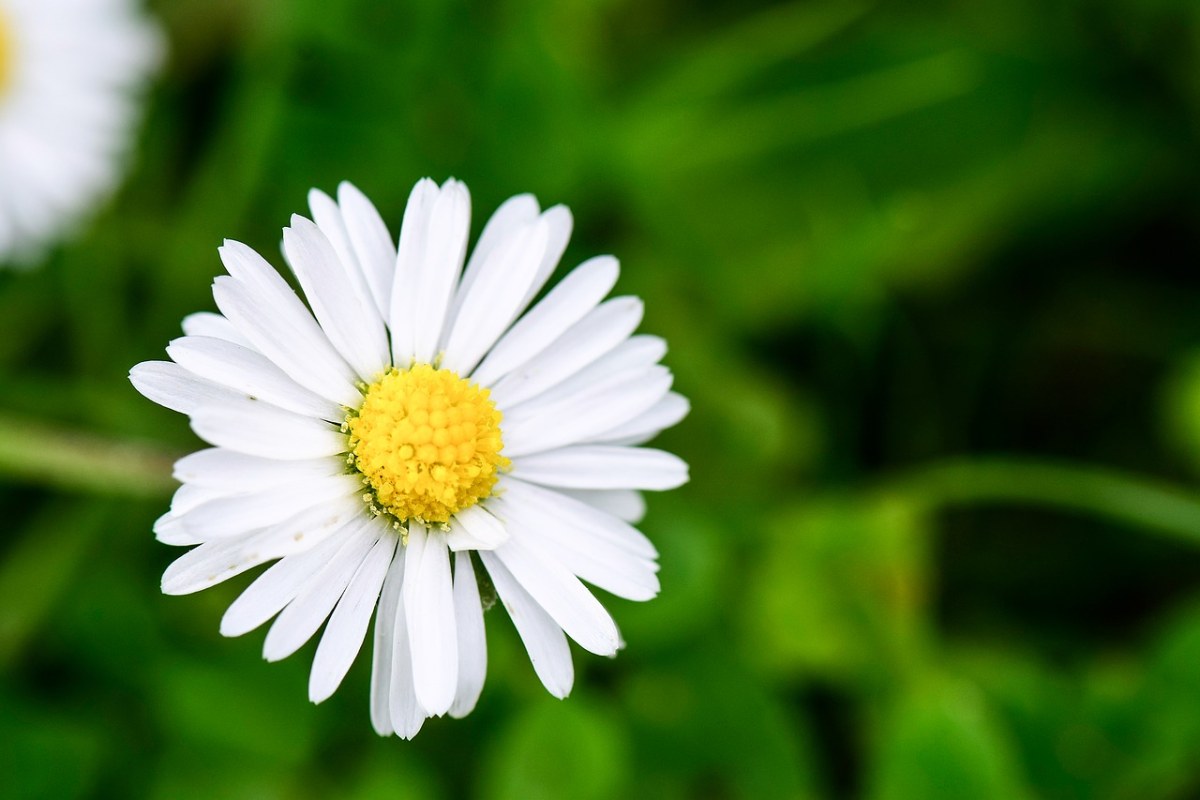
427,443
6,53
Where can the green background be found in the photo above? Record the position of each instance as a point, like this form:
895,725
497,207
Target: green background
928,272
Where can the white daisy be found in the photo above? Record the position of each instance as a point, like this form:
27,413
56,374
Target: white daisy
415,437
69,70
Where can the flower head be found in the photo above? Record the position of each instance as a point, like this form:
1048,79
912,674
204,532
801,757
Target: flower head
415,431
68,75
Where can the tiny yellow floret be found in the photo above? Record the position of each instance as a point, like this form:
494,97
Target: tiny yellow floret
427,443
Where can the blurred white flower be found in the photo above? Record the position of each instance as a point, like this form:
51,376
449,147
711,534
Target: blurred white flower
420,437
70,71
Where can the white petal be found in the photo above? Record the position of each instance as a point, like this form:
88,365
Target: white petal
268,313
329,219
624,504
354,329
560,223
297,623
475,528
250,373
383,652
347,626
190,496
230,471
572,513
597,560
544,424
472,644
598,332
258,429
206,323
407,716
439,269
513,214
373,245
565,599
410,257
169,530
172,386
277,586
429,612
600,466
667,412
219,560
566,304
544,640
236,514
492,302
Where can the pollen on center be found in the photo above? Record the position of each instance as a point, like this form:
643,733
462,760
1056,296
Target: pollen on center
427,442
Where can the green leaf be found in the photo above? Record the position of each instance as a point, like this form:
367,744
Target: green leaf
557,749
941,740
839,589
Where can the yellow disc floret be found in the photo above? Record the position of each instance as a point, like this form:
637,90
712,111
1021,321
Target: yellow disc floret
427,443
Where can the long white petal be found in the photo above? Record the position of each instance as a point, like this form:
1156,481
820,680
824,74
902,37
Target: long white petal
277,586
250,373
206,323
667,412
513,214
544,640
221,559
559,221
347,626
254,428
445,249
429,611
410,257
571,513
384,649
472,644
279,326
407,716
566,304
297,623
600,466
538,426
172,386
597,560
232,472
329,218
355,330
373,245
565,599
625,504
236,514
169,530
190,496
598,332
492,303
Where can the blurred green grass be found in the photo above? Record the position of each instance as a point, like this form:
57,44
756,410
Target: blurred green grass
928,275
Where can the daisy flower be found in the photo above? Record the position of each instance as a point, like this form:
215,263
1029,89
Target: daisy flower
419,440
69,71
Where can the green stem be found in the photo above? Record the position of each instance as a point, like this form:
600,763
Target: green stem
36,453
1093,490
